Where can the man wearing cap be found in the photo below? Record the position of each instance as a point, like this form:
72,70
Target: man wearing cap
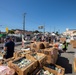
9,48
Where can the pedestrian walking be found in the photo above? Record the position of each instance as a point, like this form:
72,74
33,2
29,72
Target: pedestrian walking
65,46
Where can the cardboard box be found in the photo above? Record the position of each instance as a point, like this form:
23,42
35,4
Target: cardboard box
60,70
55,51
52,55
50,59
27,69
41,51
74,44
38,71
21,53
37,45
62,39
40,57
46,44
6,61
74,64
71,41
2,54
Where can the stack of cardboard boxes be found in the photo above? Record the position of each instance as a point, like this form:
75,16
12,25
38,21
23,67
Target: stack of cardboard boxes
74,64
32,62
24,65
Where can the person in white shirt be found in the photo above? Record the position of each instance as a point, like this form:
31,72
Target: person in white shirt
60,48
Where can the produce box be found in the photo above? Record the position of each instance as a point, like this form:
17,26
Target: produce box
71,42
74,44
74,64
24,65
37,45
46,44
2,53
6,61
1,56
41,51
55,51
62,39
56,68
50,59
40,57
44,71
52,55
21,53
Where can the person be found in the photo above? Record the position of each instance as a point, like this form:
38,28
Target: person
9,48
65,46
60,49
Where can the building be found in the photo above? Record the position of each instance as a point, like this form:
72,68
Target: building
70,32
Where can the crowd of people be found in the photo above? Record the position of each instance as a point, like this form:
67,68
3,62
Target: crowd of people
9,44
53,39
46,38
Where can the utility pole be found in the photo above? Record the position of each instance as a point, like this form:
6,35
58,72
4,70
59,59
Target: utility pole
50,29
44,29
24,22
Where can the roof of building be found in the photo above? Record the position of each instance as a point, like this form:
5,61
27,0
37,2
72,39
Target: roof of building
72,29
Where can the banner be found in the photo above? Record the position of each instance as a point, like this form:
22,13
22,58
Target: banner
7,29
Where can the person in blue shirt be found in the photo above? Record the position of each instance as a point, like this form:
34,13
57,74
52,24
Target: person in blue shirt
9,48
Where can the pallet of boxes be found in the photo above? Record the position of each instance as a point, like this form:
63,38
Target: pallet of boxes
51,58
43,47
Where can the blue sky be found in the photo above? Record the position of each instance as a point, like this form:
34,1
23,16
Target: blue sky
56,15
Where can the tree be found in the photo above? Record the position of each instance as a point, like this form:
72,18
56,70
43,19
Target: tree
11,31
36,31
57,33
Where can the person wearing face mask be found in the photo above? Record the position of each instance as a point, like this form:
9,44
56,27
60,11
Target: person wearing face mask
9,48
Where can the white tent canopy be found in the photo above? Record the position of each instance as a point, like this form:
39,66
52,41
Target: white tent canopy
53,34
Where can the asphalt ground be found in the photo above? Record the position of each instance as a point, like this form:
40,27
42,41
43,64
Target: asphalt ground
66,60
